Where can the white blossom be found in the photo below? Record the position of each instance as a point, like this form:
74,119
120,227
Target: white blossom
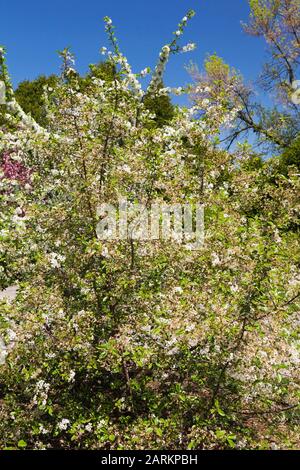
63,424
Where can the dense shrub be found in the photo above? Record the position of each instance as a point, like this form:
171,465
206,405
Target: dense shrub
130,344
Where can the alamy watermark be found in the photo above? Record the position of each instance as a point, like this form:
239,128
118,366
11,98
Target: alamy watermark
180,223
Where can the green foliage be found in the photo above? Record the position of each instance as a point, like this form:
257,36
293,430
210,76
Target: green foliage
103,70
161,107
217,68
291,156
29,95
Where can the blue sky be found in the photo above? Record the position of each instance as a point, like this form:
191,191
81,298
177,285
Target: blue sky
33,31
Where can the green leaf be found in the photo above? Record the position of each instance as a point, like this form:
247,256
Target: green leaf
219,410
22,444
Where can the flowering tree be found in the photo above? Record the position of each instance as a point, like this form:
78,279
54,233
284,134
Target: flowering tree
131,344
278,23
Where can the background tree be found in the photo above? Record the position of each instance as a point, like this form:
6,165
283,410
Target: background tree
161,106
277,126
30,93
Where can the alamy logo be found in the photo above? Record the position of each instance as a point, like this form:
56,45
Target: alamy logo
181,223
296,94
2,93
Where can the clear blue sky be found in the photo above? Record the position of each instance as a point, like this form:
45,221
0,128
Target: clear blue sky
33,30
